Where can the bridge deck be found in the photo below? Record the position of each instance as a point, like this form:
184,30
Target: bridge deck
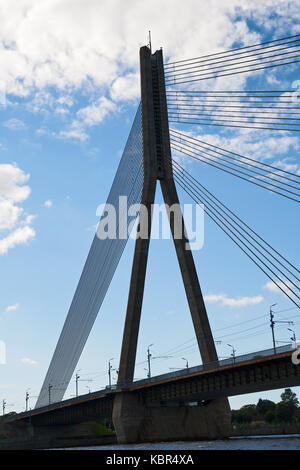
262,370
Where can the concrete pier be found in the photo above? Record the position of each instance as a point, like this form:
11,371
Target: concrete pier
135,422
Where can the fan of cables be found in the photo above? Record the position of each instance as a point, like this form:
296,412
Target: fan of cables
265,176
267,110
270,110
283,273
265,55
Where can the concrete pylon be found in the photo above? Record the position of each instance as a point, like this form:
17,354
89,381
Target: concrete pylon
133,421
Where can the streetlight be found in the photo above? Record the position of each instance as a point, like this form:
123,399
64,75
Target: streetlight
187,362
233,352
272,324
109,371
149,360
26,399
77,377
4,404
149,356
293,338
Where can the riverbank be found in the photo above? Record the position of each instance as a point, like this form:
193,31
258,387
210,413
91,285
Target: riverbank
266,430
278,443
264,437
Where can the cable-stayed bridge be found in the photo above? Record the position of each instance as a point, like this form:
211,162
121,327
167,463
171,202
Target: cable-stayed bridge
150,157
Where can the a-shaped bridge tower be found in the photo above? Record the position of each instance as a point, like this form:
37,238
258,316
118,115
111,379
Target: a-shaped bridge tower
133,421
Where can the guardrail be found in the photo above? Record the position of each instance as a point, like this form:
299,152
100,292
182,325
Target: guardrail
213,365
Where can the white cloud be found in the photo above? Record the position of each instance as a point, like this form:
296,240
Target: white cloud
48,203
65,100
43,101
126,88
28,220
9,214
75,133
96,47
61,111
12,180
28,361
89,116
226,301
272,287
19,236
96,112
14,124
11,308
14,222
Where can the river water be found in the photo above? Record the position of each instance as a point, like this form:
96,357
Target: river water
286,442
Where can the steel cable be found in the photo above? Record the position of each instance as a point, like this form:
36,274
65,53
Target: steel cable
237,174
197,196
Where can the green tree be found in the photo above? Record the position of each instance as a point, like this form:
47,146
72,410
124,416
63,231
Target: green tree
234,416
263,406
250,410
297,415
285,412
289,397
242,416
270,416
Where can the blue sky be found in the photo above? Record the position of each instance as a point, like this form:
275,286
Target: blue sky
72,89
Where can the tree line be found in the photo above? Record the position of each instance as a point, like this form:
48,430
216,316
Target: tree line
284,412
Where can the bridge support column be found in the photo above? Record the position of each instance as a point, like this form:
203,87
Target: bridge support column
135,422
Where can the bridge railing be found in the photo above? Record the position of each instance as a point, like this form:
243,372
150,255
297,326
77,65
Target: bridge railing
213,365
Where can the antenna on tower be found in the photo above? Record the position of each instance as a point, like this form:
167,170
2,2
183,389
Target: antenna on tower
150,45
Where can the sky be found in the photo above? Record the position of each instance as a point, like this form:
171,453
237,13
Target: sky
69,88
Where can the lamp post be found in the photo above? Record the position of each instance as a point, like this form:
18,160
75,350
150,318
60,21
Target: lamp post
272,324
149,360
187,362
26,399
233,352
109,371
77,377
293,338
